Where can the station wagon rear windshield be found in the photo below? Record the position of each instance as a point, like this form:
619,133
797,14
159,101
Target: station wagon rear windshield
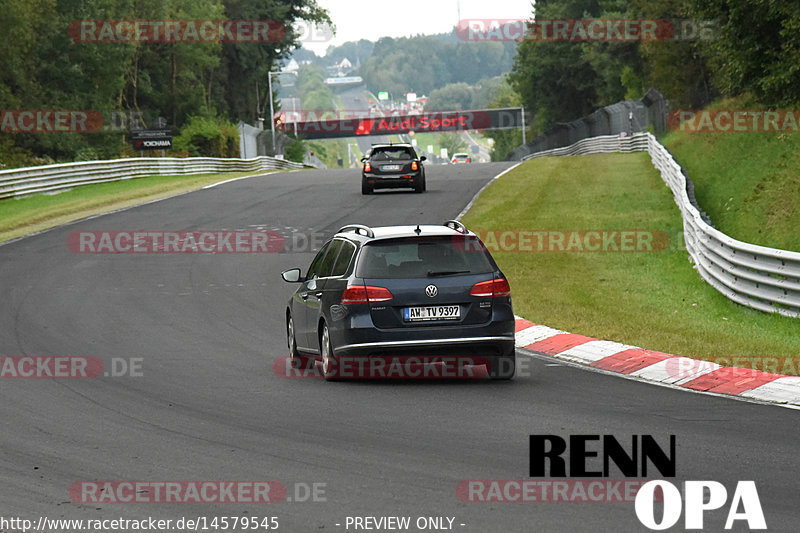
421,257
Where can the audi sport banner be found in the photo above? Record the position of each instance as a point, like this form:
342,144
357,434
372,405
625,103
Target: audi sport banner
151,139
372,123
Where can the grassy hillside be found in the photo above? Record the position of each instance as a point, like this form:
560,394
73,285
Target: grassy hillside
747,182
653,299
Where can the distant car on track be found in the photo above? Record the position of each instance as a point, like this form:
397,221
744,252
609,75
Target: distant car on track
461,158
389,292
392,166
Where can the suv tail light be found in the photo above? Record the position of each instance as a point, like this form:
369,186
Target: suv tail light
360,294
491,288
367,167
414,166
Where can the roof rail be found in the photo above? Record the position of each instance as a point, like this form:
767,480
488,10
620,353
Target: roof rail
358,229
456,225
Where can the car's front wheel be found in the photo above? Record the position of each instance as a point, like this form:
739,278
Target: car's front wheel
330,363
297,360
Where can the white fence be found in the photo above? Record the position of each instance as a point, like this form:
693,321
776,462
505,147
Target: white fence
30,180
763,278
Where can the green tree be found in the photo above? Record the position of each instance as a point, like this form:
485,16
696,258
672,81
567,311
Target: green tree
43,66
296,151
245,65
562,81
678,68
312,91
208,137
504,140
453,142
756,49
318,100
452,96
354,51
422,64
557,80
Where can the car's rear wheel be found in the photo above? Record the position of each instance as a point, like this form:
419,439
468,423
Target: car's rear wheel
503,367
297,360
330,363
419,185
366,188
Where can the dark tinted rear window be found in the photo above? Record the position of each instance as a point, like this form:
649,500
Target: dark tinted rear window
384,154
421,257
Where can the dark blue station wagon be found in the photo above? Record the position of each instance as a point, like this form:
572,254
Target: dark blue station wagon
430,293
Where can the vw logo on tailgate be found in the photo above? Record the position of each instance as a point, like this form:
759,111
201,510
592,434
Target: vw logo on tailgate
431,291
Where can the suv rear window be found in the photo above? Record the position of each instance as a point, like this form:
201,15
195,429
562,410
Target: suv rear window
420,257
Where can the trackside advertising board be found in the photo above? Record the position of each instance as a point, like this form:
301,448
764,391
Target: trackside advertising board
438,121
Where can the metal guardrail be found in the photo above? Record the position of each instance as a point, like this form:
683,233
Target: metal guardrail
647,113
767,279
598,145
31,180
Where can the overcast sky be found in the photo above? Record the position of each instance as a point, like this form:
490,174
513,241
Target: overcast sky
372,19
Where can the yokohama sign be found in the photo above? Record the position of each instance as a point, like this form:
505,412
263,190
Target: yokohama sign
420,123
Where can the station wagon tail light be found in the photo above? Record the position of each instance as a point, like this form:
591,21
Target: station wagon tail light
360,294
367,167
414,165
491,288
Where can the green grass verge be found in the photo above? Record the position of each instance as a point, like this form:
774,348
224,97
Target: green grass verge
655,300
428,139
23,216
330,151
747,182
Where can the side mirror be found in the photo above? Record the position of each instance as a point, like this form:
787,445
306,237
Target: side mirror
292,275
423,158
363,159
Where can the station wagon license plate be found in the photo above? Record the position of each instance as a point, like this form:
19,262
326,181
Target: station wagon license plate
439,312
390,167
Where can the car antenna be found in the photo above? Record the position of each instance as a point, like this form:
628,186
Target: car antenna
418,230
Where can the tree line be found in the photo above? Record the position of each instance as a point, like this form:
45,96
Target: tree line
706,50
422,64
48,62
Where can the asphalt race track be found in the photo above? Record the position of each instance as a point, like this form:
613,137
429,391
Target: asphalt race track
206,328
